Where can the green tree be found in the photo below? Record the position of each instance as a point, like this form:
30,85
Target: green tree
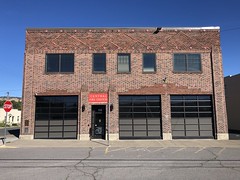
16,104
1,103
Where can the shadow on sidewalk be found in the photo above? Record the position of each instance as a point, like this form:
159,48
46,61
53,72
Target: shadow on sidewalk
15,132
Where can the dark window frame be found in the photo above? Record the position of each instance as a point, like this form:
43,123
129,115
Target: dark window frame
187,63
155,64
59,63
99,72
129,65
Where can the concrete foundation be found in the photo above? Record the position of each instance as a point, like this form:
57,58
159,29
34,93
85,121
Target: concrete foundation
167,136
113,137
26,137
84,137
222,136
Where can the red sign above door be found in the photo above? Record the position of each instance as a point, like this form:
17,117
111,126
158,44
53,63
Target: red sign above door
98,98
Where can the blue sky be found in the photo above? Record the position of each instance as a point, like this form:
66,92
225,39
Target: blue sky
17,15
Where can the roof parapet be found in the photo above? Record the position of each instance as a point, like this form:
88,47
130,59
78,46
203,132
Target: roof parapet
124,28
192,28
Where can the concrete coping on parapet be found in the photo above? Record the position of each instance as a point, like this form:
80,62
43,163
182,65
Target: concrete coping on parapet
119,29
192,28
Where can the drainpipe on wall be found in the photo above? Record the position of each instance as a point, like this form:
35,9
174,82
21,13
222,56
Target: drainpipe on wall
79,123
214,98
108,123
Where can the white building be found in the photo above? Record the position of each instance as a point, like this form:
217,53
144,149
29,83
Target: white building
14,116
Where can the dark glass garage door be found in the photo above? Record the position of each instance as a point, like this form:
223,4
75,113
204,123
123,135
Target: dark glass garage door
139,117
192,116
56,117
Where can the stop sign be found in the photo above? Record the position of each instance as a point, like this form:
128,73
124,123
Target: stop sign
7,106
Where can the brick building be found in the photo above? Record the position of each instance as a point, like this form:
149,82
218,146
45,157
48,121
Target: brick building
128,83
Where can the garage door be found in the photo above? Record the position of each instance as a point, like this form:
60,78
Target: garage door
192,116
139,117
56,117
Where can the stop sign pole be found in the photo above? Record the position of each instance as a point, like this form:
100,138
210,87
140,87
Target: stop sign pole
7,107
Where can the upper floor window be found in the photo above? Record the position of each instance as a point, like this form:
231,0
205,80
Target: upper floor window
149,62
187,62
99,62
123,63
59,63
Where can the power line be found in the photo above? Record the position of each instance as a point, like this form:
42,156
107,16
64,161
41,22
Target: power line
10,90
231,29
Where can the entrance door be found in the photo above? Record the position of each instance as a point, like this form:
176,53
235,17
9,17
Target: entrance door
98,121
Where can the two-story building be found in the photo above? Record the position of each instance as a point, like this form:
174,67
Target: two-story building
123,83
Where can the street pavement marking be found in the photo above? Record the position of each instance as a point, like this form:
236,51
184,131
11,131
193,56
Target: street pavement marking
221,151
106,150
147,149
159,149
10,147
142,149
116,149
178,150
201,149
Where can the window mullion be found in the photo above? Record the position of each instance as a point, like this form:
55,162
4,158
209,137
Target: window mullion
186,62
59,63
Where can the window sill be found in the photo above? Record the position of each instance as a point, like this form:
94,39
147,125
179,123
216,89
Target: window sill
52,73
187,72
102,72
123,72
154,72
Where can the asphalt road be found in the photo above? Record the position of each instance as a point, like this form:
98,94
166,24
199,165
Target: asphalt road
119,163
15,131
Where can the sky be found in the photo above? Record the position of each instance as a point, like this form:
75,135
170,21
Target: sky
17,15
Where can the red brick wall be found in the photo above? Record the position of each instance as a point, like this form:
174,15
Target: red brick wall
219,95
84,42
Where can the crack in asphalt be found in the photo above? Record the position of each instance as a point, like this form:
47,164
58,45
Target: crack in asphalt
215,156
93,175
236,170
86,168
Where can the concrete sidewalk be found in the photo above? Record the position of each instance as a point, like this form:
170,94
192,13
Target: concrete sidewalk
20,143
9,139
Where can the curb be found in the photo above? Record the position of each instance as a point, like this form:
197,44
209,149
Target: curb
127,143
